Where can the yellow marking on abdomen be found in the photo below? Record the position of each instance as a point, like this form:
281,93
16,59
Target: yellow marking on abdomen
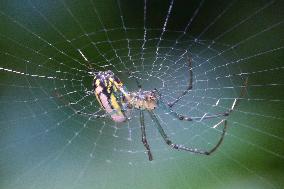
114,104
97,82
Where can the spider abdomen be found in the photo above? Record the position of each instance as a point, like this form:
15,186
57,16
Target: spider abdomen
110,93
117,101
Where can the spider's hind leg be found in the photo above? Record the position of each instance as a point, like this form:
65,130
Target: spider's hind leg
130,74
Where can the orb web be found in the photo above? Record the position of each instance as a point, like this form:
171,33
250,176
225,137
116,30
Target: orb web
51,48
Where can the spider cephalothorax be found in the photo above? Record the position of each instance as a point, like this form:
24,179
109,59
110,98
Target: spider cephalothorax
143,100
118,102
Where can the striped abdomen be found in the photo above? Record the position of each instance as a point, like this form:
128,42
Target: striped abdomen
110,93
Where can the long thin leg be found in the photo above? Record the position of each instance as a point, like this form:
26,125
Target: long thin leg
189,87
144,139
181,147
89,65
136,80
206,116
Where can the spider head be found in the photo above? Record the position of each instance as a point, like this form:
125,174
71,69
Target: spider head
143,100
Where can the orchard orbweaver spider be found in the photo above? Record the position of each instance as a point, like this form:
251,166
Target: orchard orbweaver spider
117,102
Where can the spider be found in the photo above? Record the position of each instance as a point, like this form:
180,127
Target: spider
118,102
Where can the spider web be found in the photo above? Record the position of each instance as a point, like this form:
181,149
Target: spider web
45,49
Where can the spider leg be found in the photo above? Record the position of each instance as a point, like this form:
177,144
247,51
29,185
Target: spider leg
136,80
198,118
181,147
206,116
189,87
79,112
144,139
89,65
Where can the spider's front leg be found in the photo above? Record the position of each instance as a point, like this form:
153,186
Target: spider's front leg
181,147
206,116
189,87
144,139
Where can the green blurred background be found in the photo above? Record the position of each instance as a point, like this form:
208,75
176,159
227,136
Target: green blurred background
43,144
